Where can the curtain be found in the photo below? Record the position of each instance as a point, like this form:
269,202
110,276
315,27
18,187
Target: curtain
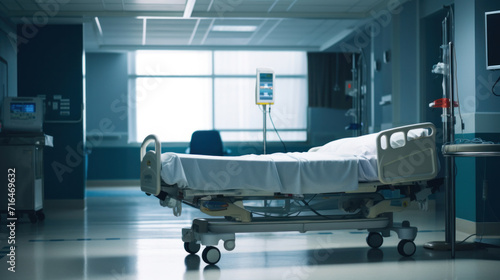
327,74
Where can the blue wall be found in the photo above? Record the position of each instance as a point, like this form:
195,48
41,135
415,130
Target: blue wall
407,107
8,52
51,63
107,93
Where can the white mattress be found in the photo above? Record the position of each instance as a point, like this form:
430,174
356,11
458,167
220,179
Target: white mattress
293,173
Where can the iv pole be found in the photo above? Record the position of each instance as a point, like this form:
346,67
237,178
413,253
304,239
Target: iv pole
446,68
265,126
448,104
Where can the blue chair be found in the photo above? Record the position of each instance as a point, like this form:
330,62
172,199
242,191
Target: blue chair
206,142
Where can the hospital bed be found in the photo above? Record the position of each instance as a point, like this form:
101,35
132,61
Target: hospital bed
350,183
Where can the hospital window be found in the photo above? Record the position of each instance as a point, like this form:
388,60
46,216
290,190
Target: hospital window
174,93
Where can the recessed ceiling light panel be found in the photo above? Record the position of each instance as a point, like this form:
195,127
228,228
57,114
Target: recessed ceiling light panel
234,28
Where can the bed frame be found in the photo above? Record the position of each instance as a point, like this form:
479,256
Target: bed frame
399,167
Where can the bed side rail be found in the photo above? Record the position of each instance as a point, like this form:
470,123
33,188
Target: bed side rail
151,166
402,157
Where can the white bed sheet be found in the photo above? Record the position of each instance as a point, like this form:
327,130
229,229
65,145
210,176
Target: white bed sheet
294,173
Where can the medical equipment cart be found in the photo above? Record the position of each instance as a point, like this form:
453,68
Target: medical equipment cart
21,169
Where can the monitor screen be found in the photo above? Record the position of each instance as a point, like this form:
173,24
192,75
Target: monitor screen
22,107
266,87
492,23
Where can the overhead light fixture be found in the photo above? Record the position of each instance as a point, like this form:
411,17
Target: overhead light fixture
189,8
234,28
156,17
98,24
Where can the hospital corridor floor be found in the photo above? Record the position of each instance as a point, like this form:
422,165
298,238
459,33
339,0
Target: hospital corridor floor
124,234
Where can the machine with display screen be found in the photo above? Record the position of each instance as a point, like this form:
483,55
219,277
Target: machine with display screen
22,143
264,94
22,114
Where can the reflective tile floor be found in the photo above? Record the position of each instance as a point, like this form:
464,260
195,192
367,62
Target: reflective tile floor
124,234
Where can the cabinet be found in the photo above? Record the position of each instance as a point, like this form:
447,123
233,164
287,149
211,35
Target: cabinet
21,165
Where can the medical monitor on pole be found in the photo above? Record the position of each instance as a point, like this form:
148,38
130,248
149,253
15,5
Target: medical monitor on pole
264,93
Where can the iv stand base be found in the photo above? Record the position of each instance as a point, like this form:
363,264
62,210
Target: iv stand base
446,246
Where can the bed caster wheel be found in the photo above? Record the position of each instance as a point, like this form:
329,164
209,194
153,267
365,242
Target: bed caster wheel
229,244
192,247
33,218
211,255
40,215
374,240
406,248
